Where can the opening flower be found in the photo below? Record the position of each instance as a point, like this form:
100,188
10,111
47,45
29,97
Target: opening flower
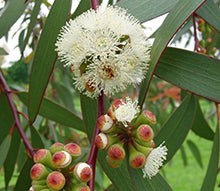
105,49
155,161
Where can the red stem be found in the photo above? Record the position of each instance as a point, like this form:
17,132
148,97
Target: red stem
14,112
94,150
196,48
94,4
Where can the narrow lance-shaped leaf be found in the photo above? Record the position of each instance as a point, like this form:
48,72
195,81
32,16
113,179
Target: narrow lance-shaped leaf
45,56
56,112
176,128
193,72
211,174
4,148
9,14
177,17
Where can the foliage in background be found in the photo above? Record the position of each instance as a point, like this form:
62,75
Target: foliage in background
51,109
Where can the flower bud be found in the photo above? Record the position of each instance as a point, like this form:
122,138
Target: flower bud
56,147
113,163
143,149
79,187
39,182
44,156
73,149
105,123
38,172
201,21
116,152
146,117
61,159
56,180
83,172
103,141
136,158
144,133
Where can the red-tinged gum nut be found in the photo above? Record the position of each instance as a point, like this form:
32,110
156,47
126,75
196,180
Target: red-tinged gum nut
61,159
101,141
43,156
116,152
136,158
79,187
105,123
146,117
112,163
145,133
115,104
38,171
83,172
73,149
56,180
56,147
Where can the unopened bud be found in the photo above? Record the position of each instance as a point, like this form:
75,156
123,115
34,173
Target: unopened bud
146,117
44,156
39,182
73,149
116,152
83,172
136,158
201,21
56,147
113,163
143,149
56,180
203,50
61,159
104,123
144,133
38,171
39,187
103,141
79,187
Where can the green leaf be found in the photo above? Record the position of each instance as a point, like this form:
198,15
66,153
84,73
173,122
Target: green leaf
211,13
24,180
195,151
193,72
200,125
10,161
175,130
148,9
36,140
6,117
45,56
4,148
56,112
183,155
32,22
10,14
83,6
211,174
177,17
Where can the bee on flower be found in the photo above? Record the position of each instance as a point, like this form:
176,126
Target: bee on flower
106,50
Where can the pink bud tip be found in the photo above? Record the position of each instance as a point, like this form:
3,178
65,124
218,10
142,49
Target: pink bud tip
138,161
115,104
104,123
56,147
116,152
145,133
150,116
56,180
101,141
40,155
61,159
37,171
73,149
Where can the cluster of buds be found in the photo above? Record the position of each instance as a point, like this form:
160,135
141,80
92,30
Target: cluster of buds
207,35
54,169
124,126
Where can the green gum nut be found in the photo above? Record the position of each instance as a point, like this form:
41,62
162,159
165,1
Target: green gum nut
113,163
39,187
146,117
143,149
56,147
104,141
39,182
116,152
80,187
38,172
136,159
44,156
73,149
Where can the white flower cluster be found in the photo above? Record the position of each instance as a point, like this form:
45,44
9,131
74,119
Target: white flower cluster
105,49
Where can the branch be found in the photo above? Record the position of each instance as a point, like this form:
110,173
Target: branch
14,112
94,150
196,48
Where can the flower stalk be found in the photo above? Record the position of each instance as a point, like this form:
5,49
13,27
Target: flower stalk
14,112
94,150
